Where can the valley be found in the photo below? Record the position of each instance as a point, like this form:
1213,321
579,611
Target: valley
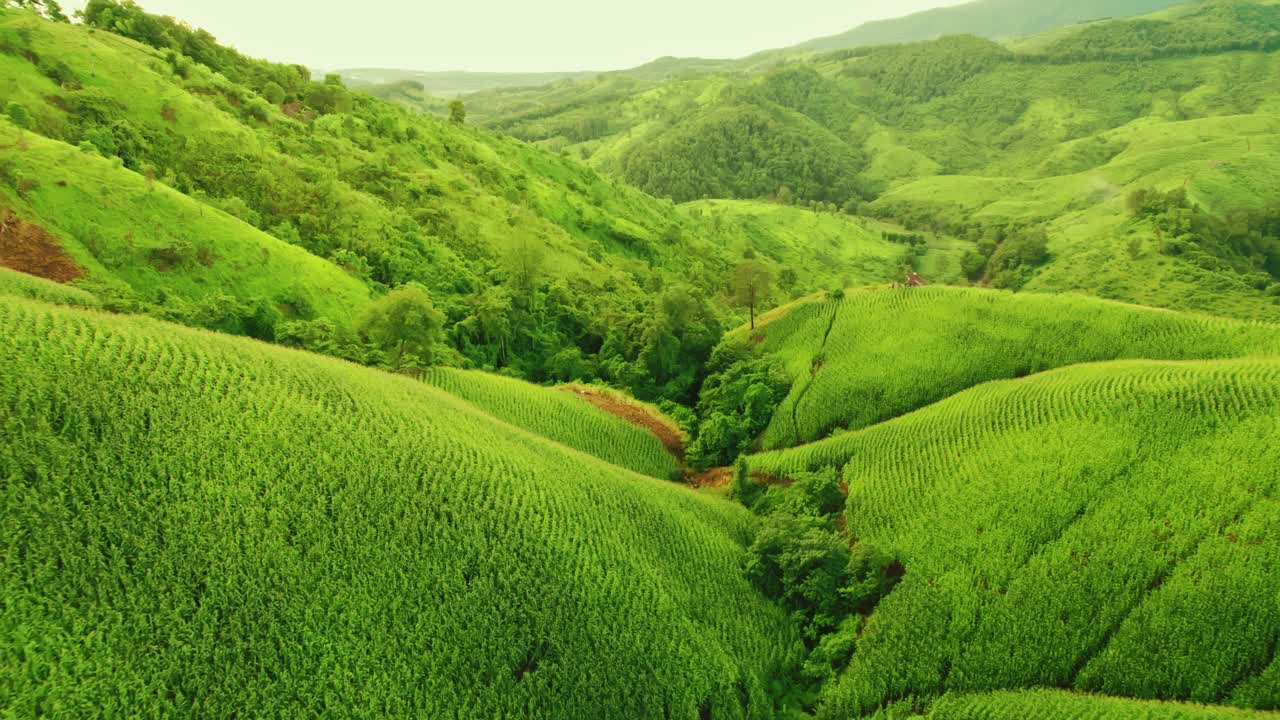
927,371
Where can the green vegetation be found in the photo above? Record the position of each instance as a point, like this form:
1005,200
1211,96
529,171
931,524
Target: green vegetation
878,354
177,501
195,184
994,19
963,137
25,286
1076,530
1059,705
560,416
911,502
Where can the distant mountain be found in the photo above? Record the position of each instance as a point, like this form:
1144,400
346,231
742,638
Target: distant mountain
986,18
449,84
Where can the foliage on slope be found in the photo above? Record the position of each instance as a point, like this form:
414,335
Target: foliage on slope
1060,705
27,286
1102,527
541,267
963,137
562,417
994,19
196,524
878,354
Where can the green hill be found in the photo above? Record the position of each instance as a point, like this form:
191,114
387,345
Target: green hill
187,181
971,138
878,354
995,19
560,416
197,524
1076,530
451,84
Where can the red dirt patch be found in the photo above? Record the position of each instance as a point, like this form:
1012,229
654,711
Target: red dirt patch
634,414
714,478
29,248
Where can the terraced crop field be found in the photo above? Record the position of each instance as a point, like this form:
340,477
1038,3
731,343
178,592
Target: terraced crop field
193,525
562,417
28,286
1111,528
1059,705
878,354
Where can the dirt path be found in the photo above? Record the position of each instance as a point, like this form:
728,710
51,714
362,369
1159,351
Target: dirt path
634,414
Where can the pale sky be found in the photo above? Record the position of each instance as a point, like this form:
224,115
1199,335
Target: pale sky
518,35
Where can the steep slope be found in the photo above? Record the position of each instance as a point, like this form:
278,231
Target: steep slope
1103,527
878,354
560,416
994,19
196,524
212,158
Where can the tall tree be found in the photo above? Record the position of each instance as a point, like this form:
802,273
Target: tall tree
457,111
752,282
404,321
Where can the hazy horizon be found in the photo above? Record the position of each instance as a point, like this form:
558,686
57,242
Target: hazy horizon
503,36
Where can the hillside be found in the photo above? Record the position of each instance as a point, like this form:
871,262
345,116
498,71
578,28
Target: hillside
994,19
454,83
234,525
1075,529
877,354
560,415
1062,133
183,180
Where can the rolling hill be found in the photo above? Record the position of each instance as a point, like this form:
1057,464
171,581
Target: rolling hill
197,524
175,177
980,140
877,354
993,19
1074,529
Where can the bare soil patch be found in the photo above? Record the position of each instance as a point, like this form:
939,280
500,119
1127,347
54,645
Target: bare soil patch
634,414
29,248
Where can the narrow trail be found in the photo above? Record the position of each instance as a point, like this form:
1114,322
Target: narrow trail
814,368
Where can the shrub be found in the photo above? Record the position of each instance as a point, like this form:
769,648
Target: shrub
18,115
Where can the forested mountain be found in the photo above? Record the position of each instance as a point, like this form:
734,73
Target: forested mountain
994,19
1065,132
188,181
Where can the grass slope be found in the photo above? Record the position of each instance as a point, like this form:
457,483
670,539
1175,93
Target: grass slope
195,524
1107,528
156,242
830,250
878,354
21,285
560,416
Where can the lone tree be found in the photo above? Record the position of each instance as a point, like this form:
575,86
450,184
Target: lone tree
457,112
751,285
404,321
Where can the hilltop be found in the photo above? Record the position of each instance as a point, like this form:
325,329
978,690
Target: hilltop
992,19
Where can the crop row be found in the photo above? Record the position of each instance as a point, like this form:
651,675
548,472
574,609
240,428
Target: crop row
193,525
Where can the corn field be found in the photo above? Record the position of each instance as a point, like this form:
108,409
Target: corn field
562,417
1111,528
879,354
199,525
